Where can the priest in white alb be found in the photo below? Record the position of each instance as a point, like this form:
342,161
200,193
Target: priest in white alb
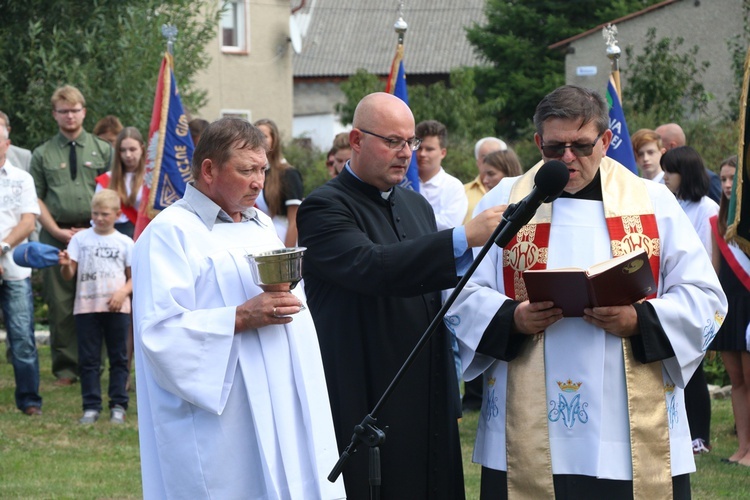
592,406
232,399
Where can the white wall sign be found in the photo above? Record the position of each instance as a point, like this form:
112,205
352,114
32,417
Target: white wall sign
586,71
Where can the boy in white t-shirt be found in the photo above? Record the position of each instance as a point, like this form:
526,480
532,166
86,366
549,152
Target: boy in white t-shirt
100,258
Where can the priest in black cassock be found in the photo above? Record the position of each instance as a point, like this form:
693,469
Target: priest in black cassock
374,268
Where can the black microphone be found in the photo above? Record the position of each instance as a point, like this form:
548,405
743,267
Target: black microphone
549,183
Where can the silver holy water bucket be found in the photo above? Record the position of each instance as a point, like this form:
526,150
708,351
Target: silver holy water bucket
277,266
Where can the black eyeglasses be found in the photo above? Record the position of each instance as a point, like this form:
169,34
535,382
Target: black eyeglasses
578,149
397,144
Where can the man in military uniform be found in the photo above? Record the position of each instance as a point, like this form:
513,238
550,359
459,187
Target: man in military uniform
64,170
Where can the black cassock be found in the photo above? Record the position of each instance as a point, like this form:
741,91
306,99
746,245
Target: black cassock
373,272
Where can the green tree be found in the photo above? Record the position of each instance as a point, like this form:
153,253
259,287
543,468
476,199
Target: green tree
455,105
737,45
310,162
664,80
111,51
515,41
355,88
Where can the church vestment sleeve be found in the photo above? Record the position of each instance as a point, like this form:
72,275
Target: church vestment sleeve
690,303
187,347
351,243
651,343
499,340
479,305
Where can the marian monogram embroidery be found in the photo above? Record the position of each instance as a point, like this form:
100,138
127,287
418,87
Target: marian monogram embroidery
711,329
709,332
451,322
568,411
672,415
491,410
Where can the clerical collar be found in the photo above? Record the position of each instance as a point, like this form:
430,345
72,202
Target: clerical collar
383,194
593,191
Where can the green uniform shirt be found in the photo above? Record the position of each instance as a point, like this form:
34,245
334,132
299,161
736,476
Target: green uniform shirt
68,200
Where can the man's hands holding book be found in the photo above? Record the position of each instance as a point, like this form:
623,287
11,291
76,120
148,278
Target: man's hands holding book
621,321
532,318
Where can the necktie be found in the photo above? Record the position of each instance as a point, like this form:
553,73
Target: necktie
73,160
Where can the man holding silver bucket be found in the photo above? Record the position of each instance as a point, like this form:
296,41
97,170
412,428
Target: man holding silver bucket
231,392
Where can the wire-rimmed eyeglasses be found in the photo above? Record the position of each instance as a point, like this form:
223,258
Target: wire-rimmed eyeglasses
396,143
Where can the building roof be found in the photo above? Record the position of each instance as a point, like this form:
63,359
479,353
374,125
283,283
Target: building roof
564,43
341,37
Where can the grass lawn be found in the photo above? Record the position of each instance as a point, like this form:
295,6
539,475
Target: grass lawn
713,479
55,457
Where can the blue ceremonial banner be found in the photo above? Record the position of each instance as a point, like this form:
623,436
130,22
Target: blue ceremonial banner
620,149
177,153
398,88
170,149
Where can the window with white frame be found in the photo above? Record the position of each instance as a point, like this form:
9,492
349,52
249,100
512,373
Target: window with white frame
233,25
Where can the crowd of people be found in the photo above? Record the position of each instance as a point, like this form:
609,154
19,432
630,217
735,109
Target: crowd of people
248,389
70,185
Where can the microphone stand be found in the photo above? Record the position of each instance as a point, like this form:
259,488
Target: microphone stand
367,432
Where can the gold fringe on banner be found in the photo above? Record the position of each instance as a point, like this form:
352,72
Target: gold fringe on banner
391,84
738,224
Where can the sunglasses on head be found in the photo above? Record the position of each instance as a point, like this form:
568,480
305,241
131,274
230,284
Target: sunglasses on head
578,149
